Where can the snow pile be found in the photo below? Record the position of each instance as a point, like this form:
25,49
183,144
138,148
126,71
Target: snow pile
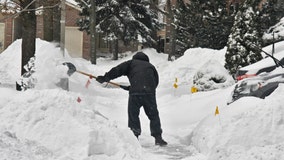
54,118
185,68
90,123
244,130
10,60
211,76
48,62
12,148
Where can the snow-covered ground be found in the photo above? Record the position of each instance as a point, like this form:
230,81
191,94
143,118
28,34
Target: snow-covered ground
49,123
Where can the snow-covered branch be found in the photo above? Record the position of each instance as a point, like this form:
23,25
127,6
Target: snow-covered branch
13,8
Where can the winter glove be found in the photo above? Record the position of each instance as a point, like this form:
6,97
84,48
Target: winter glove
101,79
125,87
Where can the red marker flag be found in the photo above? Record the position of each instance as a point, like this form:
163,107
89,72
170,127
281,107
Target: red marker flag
79,100
88,83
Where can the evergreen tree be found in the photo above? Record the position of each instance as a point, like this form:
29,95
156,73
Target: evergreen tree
244,43
272,11
122,20
203,23
183,34
194,22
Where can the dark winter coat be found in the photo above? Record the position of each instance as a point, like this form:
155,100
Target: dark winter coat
142,75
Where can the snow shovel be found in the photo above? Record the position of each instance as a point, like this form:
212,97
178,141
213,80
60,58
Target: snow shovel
72,69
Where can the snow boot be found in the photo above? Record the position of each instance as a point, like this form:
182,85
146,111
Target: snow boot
137,136
159,141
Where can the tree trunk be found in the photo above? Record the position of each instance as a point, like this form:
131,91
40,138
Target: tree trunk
62,26
172,43
115,49
17,28
56,21
51,21
153,6
93,53
28,33
48,21
172,34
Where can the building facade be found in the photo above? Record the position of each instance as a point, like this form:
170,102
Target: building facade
77,43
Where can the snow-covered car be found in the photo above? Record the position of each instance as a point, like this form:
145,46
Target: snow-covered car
267,64
260,86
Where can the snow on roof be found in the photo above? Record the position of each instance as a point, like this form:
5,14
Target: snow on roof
72,2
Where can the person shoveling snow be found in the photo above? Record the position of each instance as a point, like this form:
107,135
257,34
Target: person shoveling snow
144,80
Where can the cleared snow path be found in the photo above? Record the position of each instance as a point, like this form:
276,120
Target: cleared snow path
171,151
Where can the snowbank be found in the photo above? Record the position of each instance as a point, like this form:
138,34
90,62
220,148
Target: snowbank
53,118
49,123
212,75
250,128
185,67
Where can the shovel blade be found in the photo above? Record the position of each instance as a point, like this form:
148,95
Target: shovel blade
71,68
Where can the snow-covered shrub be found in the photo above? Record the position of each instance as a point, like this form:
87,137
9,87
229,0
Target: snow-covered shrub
212,76
27,80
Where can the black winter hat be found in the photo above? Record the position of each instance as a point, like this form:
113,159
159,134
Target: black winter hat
141,56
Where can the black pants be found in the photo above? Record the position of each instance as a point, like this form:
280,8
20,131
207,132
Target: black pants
148,101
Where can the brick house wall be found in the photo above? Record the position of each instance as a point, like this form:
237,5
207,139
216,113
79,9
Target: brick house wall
86,46
72,14
39,27
70,26
2,33
8,32
71,17
8,37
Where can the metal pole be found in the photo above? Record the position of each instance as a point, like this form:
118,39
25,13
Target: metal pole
62,28
273,47
64,82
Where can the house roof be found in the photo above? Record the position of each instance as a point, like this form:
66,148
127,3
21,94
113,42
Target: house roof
73,4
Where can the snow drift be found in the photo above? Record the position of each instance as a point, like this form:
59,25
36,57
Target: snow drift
48,122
